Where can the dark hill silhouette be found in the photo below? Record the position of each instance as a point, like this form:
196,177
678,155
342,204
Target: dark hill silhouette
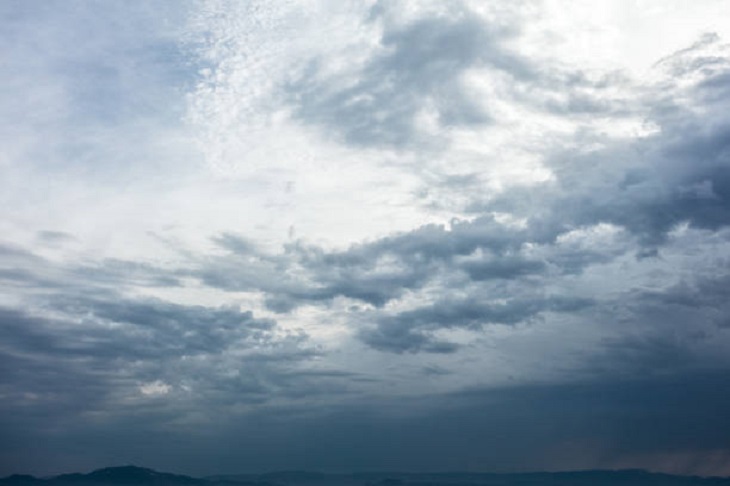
132,475
19,479
125,475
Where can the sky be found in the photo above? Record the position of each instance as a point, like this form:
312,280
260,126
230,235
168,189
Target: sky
338,235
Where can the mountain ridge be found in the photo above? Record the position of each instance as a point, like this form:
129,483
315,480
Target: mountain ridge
135,475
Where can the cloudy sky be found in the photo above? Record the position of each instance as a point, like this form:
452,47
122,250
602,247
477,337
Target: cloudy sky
238,236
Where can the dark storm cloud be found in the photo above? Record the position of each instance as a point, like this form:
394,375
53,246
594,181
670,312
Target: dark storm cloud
83,371
555,426
609,420
81,348
102,369
144,341
678,329
528,427
688,181
683,172
45,373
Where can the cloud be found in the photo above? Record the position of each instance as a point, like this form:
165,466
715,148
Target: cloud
413,330
498,242
127,340
600,425
415,72
54,237
80,347
155,388
650,184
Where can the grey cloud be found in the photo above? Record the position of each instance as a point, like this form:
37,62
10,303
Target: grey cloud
382,270
235,243
650,209
418,65
689,158
507,267
419,68
707,292
376,290
90,355
678,329
24,268
47,376
697,305
569,92
411,331
54,237
686,61
319,284
397,338
173,328
648,186
115,334
327,275
113,272
18,254
649,354
433,370
70,380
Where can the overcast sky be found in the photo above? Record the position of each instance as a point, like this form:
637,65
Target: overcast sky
240,236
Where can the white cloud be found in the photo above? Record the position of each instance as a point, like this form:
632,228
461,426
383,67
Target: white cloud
155,388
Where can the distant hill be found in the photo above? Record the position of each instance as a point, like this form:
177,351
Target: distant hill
125,475
132,475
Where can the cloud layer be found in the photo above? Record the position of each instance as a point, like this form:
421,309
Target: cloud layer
364,235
